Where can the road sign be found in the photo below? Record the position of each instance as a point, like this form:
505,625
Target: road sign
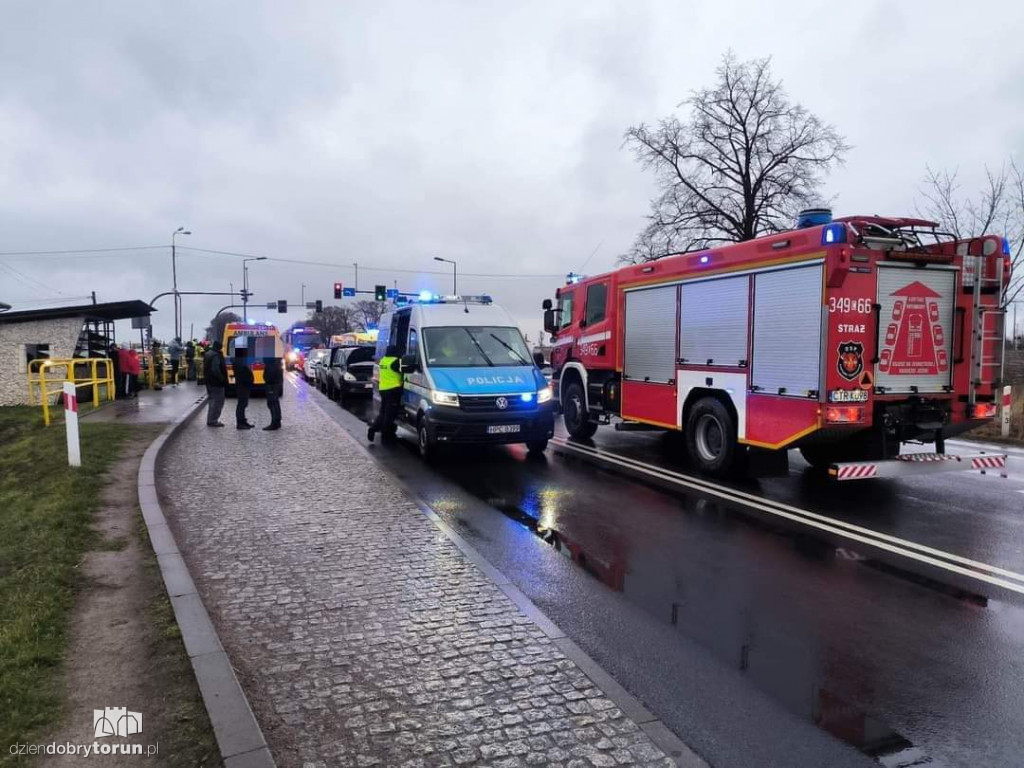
392,293
271,305
349,293
310,305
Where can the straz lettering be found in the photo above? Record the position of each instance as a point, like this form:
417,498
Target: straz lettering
495,380
849,328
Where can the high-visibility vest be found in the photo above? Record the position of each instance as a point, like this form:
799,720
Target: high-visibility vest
388,379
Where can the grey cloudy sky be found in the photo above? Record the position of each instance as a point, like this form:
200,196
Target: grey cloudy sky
386,133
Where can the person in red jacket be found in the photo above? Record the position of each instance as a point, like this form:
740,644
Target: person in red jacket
134,369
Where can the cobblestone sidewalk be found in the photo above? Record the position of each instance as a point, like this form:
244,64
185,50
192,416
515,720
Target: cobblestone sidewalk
361,634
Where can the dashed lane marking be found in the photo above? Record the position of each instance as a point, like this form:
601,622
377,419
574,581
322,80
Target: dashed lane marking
935,557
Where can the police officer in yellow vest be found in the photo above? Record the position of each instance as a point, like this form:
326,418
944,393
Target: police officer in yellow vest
390,387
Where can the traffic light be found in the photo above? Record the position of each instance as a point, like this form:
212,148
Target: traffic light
319,305
282,305
380,293
337,291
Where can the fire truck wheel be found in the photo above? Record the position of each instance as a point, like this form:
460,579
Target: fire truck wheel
711,437
819,457
574,413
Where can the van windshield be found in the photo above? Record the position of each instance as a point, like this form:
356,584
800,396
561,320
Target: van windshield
464,346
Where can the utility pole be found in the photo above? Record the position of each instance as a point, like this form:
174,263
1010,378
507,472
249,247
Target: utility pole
174,277
245,285
303,302
357,274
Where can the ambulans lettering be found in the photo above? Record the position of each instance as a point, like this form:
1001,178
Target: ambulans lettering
495,380
851,360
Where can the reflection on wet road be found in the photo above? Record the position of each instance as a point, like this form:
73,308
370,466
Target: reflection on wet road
909,663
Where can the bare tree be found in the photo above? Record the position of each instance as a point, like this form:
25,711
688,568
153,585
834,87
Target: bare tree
746,161
368,313
332,321
215,330
997,208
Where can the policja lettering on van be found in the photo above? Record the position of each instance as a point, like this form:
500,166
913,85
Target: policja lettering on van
495,380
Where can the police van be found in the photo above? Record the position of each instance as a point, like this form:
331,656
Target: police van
469,377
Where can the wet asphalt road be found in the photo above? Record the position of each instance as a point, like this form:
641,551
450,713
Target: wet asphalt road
759,639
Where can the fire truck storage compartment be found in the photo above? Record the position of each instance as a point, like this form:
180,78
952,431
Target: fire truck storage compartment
650,337
915,337
787,331
713,321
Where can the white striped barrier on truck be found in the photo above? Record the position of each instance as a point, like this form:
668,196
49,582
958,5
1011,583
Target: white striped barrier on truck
918,464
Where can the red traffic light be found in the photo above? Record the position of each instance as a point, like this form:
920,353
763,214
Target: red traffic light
337,290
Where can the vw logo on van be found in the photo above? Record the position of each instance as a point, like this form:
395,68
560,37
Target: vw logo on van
501,403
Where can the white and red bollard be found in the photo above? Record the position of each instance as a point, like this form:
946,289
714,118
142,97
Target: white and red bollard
71,422
1007,407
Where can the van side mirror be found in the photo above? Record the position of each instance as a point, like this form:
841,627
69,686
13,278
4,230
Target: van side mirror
549,321
538,359
410,364
547,304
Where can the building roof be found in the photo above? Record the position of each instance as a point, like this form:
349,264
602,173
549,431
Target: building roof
111,310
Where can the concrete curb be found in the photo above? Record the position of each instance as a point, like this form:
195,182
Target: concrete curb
656,730
239,737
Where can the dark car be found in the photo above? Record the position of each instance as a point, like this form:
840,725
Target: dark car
350,372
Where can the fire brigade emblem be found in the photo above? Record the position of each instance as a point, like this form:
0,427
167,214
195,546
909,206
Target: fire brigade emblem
851,360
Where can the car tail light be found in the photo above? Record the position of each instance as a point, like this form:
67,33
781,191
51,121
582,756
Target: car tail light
984,410
844,415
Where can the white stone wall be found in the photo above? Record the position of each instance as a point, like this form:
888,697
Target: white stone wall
62,336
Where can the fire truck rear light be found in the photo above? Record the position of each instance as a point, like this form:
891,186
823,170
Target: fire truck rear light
845,415
833,233
984,410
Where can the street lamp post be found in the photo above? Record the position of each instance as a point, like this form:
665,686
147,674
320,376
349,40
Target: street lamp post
174,277
455,274
245,285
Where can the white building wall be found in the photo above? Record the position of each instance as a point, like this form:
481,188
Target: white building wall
62,336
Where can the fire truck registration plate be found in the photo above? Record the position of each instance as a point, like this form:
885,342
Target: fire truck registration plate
502,429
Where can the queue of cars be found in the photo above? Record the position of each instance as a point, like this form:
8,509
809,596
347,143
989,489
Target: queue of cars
341,372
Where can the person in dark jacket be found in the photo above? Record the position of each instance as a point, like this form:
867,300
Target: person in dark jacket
273,377
216,380
190,360
243,385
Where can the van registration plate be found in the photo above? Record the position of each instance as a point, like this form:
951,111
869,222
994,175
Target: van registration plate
502,429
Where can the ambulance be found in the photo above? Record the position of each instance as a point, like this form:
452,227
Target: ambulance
469,376
260,341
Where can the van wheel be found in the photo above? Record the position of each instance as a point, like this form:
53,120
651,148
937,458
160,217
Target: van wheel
711,437
427,447
537,446
574,413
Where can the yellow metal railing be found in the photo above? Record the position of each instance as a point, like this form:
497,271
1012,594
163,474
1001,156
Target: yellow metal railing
46,379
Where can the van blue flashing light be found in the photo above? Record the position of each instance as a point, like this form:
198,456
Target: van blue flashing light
1006,247
833,233
426,296
526,397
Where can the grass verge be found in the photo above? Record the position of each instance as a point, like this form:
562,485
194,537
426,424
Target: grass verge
45,512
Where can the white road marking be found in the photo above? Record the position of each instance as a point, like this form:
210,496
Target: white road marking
903,547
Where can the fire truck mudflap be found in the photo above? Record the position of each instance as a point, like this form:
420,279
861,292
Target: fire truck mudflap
912,464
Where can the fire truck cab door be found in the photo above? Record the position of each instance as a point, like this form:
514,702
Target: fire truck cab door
915,334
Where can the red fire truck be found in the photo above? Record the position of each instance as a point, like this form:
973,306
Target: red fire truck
842,338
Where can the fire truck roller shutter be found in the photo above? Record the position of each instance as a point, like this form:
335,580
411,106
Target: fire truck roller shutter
713,321
916,339
650,335
787,331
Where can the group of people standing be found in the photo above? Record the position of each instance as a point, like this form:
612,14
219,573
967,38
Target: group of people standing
216,376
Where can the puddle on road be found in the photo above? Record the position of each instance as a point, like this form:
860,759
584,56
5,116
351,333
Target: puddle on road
825,709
